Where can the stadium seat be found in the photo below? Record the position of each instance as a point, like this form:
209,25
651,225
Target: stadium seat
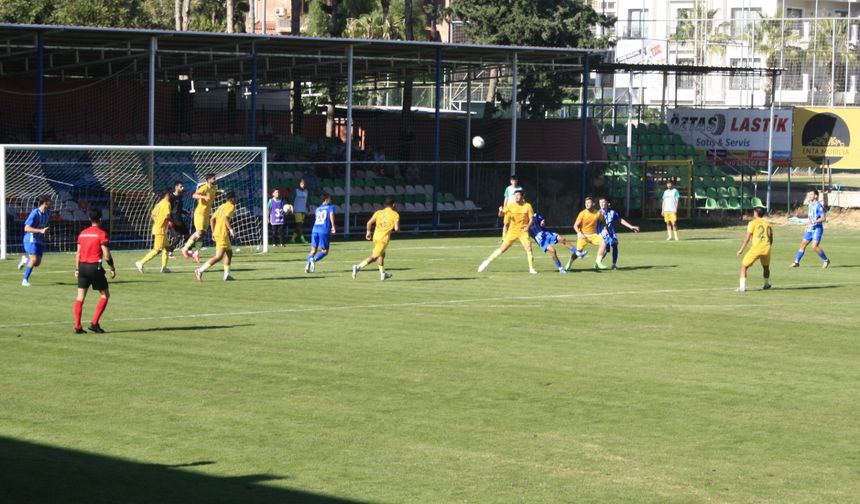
757,202
469,205
711,204
410,207
733,204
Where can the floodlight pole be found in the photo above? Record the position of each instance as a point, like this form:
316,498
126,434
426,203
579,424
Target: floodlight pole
348,184
583,134
770,140
40,87
468,130
437,151
150,120
514,84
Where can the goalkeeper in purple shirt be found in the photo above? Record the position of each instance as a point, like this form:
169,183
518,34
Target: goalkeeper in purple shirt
35,228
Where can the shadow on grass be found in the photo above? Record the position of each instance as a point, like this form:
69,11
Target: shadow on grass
440,279
272,279
31,472
703,238
647,267
846,266
179,328
110,282
809,287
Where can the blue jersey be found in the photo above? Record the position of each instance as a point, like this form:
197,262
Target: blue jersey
36,219
322,219
536,228
815,211
610,218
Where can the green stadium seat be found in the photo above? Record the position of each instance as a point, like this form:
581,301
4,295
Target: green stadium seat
712,193
733,192
700,193
757,202
733,204
711,204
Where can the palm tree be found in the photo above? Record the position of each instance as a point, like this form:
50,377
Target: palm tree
699,33
774,38
828,48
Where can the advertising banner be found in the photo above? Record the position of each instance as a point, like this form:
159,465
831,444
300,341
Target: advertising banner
822,137
735,136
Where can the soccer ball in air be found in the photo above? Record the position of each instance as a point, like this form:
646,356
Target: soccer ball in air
478,142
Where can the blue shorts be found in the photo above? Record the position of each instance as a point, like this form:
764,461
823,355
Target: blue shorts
814,235
33,248
320,240
610,240
545,239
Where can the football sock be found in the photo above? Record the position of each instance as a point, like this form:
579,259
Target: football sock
309,257
798,256
744,282
79,307
822,255
767,280
363,263
531,257
24,261
226,269
205,267
557,263
189,243
614,254
496,253
319,257
675,232
164,258
27,272
381,268
100,308
148,257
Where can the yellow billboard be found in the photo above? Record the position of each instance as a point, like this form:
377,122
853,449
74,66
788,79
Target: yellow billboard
822,137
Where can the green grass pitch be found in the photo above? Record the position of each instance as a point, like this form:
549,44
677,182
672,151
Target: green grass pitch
655,383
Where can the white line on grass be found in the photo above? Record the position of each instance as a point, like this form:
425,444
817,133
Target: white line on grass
422,304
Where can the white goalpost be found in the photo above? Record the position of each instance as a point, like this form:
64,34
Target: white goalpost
124,182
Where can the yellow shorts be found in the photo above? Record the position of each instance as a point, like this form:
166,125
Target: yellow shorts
201,222
670,217
522,236
159,242
593,239
753,255
300,217
379,248
221,244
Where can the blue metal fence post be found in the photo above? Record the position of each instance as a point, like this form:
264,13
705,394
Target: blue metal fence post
584,128
40,87
437,148
253,93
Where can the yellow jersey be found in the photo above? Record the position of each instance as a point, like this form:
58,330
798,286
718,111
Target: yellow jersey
224,212
517,217
385,220
762,236
588,220
160,215
203,206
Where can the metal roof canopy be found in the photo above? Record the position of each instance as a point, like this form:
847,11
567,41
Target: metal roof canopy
87,52
607,68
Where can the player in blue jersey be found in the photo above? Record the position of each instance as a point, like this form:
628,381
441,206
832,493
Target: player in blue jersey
815,229
607,229
35,228
321,233
546,238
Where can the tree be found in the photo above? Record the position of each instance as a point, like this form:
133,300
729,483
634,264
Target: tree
827,49
774,37
297,111
557,23
699,33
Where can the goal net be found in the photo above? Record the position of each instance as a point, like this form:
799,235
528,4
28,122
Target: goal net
654,178
125,183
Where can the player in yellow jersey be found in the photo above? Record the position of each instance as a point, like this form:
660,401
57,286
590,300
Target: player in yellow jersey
518,219
585,225
222,231
761,235
205,196
160,216
387,220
